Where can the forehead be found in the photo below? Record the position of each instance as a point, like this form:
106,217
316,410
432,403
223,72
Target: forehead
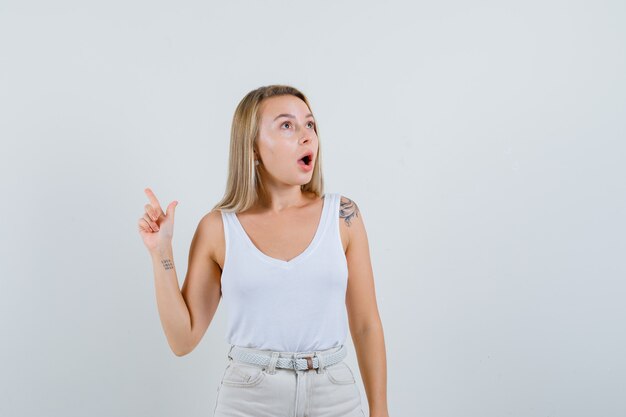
273,106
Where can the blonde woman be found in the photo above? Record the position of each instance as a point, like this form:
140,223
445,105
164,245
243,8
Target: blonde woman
292,265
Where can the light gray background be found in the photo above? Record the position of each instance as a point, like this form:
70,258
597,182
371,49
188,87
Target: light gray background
483,142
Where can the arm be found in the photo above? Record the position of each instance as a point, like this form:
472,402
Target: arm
173,311
364,321
186,314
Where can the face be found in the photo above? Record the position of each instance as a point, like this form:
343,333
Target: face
286,133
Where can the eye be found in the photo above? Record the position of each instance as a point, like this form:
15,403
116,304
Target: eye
311,123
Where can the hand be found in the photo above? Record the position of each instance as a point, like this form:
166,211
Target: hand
155,227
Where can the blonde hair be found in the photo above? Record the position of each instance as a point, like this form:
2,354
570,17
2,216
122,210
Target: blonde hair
244,184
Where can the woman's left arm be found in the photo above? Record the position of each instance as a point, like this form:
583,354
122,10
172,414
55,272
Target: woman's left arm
365,325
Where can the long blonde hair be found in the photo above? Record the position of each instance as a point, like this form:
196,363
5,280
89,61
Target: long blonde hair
244,184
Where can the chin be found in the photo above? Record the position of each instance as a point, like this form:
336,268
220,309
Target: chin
303,182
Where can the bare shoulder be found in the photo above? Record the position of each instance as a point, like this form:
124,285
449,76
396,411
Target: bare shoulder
348,210
350,220
211,227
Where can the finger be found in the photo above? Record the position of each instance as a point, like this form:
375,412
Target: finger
153,201
151,212
152,224
144,226
171,209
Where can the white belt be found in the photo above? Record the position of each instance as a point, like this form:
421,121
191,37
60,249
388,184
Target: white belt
305,362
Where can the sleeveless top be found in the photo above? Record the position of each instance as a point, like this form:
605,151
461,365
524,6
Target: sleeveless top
292,306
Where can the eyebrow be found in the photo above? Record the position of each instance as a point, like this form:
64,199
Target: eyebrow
291,116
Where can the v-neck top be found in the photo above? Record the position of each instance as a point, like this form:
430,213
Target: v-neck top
292,306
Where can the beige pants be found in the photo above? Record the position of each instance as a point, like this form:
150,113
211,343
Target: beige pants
248,390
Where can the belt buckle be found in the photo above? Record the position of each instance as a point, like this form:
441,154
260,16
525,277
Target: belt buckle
309,362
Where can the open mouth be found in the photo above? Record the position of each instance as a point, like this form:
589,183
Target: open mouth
306,160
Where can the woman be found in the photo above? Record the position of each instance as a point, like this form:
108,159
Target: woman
279,251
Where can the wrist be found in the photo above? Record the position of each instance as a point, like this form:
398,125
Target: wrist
162,252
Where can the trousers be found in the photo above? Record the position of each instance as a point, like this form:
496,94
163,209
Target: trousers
251,390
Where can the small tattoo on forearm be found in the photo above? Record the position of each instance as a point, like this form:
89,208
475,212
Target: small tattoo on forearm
167,264
348,209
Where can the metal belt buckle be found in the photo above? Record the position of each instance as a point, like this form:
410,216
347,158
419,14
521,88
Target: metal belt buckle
309,362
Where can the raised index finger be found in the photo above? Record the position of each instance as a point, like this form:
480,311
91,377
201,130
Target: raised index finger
153,201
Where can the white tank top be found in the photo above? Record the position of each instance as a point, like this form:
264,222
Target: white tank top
294,306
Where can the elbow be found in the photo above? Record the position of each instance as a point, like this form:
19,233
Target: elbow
179,353
181,350
367,327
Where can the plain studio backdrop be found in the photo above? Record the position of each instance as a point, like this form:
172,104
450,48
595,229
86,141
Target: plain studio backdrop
483,141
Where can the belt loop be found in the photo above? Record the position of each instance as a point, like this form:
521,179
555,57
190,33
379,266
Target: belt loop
320,362
230,350
271,368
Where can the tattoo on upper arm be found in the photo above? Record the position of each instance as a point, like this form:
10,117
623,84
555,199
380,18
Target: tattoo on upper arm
167,264
348,209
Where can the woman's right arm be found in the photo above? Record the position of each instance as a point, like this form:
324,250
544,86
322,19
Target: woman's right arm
185,314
